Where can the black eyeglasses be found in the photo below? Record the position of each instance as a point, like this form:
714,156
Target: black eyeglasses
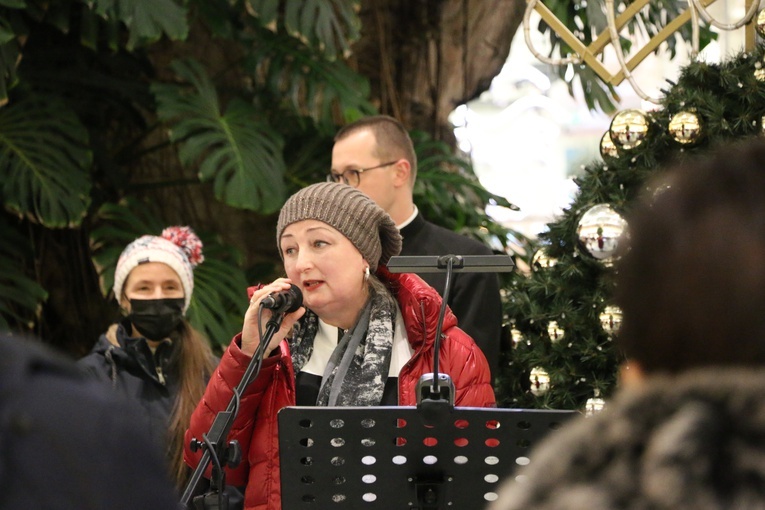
353,177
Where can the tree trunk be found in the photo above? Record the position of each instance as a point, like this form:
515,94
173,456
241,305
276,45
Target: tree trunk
425,58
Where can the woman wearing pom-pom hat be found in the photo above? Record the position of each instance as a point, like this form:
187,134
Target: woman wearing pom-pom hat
153,355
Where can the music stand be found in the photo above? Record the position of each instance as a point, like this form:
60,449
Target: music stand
430,457
393,458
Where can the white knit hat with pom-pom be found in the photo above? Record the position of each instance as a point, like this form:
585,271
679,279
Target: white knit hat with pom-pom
178,247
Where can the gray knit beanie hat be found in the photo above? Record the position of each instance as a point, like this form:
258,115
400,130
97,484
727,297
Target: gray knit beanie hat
351,212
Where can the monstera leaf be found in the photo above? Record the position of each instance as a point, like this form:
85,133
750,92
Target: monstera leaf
44,162
220,298
21,297
146,20
236,149
315,87
330,26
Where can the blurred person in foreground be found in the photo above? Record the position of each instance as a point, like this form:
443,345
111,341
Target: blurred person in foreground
67,443
363,337
375,154
154,356
686,429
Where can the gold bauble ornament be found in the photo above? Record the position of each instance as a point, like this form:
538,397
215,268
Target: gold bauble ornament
611,319
594,404
759,72
760,23
600,230
516,336
555,332
685,127
608,149
540,381
541,260
628,128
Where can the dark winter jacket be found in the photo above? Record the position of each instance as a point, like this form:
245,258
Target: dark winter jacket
67,443
256,424
128,366
693,442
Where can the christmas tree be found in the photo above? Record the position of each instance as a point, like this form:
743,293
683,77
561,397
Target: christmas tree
563,322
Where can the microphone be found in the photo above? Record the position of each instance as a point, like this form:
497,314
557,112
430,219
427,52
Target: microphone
284,301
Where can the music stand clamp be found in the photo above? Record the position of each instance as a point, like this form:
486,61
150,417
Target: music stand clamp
435,399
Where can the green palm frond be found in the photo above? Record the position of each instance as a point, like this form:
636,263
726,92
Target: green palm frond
44,162
235,149
312,86
330,26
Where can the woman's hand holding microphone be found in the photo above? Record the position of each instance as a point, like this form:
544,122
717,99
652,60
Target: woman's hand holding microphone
280,296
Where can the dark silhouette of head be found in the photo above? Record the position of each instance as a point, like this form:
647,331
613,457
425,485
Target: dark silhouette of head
692,284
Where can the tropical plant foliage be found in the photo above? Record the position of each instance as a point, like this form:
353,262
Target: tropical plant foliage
108,104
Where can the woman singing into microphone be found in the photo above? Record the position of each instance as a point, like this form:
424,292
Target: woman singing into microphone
363,337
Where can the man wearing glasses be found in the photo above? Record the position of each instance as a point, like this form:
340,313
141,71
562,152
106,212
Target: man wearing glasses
375,155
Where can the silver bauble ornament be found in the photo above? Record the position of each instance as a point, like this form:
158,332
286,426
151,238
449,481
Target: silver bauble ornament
628,128
685,127
540,381
611,320
600,230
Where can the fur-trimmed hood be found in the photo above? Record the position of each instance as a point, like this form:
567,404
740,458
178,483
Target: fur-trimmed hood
694,441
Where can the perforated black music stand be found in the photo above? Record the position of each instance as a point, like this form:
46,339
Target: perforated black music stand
391,458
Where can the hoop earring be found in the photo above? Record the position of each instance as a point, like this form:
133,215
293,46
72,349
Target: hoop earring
366,274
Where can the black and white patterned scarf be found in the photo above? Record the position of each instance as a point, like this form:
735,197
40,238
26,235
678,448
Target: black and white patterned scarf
358,367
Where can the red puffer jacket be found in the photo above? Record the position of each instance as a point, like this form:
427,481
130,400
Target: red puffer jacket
255,426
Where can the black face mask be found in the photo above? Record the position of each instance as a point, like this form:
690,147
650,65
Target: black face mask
155,319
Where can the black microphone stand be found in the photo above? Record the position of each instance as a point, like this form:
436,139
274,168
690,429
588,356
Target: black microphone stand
216,450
